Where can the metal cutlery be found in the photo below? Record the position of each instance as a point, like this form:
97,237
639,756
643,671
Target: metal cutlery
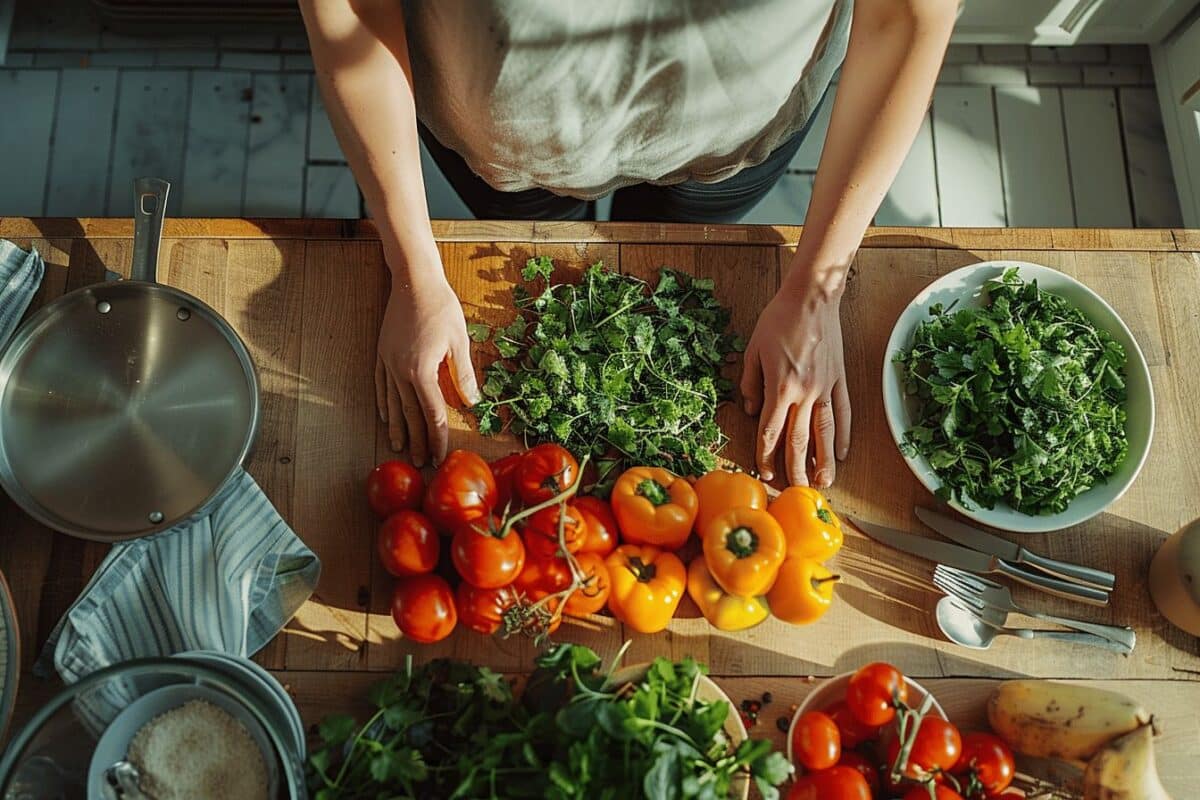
974,561
981,593
1012,552
978,628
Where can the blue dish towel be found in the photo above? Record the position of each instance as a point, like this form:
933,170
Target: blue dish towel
227,581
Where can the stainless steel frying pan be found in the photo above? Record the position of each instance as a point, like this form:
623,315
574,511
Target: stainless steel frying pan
125,406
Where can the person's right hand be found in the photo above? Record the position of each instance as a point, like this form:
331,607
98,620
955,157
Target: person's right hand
423,325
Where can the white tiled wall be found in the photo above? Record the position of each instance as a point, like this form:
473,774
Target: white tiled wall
1014,136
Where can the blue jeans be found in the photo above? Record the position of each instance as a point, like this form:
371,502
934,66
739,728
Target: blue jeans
691,201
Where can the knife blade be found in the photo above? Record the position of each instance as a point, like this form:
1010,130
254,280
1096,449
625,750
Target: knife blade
973,561
1012,552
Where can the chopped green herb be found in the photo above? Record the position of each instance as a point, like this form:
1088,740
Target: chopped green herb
610,368
1021,401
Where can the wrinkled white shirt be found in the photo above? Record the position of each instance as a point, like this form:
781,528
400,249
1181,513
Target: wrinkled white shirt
585,96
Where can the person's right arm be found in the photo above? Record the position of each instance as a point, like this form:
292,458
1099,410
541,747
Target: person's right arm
360,51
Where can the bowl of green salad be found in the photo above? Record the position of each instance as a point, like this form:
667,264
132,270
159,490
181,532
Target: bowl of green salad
1017,395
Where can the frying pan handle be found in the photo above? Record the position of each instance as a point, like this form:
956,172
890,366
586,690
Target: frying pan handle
149,210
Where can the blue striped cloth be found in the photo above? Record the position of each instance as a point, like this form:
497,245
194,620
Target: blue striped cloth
227,581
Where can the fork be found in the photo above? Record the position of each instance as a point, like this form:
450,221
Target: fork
979,591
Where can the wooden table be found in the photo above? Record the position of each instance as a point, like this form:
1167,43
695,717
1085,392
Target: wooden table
307,297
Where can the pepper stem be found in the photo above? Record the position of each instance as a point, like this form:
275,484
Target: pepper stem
741,541
641,570
654,491
819,582
824,515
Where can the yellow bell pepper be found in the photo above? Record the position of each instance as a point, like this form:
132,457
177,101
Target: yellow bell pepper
654,507
743,549
647,585
720,490
812,529
803,592
724,611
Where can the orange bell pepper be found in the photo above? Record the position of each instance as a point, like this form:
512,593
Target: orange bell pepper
654,507
720,490
724,611
743,549
812,529
803,592
646,585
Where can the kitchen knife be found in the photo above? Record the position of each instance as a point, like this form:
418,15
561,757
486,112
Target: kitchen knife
1012,552
973,561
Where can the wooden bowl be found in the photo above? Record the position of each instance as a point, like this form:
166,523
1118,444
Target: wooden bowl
707,691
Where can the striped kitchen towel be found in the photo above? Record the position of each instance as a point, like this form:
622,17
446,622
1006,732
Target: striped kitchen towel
227,581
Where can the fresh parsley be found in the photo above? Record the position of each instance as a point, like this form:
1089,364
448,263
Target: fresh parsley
451,730
1020,401
612,368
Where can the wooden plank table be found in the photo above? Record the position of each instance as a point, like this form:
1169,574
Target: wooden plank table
307,296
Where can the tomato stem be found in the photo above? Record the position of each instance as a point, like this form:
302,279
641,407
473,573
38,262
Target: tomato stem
561,497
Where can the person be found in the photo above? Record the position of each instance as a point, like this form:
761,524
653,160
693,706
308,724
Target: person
687,110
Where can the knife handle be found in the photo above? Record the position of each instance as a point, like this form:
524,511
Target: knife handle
1071,572
1061,588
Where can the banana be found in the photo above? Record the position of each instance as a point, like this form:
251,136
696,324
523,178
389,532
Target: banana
1060,720
1125,770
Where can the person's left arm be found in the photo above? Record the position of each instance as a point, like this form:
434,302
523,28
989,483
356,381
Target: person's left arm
794,371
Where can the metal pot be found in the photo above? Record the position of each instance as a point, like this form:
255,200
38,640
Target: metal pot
125,406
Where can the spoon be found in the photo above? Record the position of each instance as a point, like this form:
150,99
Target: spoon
122,781
977,630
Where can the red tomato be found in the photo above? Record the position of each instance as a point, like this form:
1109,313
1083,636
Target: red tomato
462,490
835,783
545,471
543,576
504,470
601,525
423,608
871,692
936,749
483,610
485,559
541,530
408,544
941,792
863,766
989,758
394,486
852,731
592,596
816,743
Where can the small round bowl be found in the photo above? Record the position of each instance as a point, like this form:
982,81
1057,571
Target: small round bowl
831,690
966,286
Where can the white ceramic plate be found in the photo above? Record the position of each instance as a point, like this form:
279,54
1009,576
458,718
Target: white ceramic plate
966,286
114,742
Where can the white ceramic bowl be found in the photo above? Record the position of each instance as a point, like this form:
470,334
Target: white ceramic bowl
966,286
831,690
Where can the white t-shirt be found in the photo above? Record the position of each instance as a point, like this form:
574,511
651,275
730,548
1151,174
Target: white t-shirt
585,96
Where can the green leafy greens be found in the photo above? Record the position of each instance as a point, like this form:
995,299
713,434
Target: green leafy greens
451,730
610,368
1020,401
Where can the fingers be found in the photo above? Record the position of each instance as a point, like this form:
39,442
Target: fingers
841,418
823,428
752,383
770,428
437,425
415,420
397,427
796,451
464,371
381,390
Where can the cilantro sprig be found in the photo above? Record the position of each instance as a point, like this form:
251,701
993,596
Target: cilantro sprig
612,368
447,729
1020,401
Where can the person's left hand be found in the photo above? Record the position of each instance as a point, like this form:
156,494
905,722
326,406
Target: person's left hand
795,375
